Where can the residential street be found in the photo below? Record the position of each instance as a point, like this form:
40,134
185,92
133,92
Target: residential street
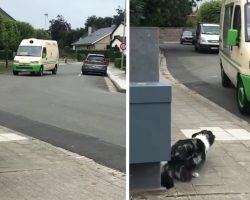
78,113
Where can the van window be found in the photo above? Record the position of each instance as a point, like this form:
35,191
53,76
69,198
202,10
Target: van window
44,52
227,25
247,15
237,21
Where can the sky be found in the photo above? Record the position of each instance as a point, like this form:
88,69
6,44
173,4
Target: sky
74,12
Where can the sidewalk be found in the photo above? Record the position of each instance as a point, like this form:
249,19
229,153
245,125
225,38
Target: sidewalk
118,77
34,170
226,173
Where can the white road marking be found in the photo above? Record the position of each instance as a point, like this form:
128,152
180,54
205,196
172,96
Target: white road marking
221,134
7,137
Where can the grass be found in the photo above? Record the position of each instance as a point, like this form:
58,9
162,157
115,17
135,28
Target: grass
3,69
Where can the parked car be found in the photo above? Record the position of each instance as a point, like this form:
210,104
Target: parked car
186,37
95,63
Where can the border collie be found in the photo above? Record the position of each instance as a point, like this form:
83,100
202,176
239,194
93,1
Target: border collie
186,156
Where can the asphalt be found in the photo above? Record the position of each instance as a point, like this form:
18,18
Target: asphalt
32,169
226,172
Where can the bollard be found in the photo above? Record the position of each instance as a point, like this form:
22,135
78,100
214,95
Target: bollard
150,111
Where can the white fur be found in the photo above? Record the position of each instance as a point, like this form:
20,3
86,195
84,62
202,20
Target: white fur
204,139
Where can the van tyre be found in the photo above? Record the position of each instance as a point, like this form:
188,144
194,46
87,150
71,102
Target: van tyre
40,73
242,102
225,81
15,73
54,70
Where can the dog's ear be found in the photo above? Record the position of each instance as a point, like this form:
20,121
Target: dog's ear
195,134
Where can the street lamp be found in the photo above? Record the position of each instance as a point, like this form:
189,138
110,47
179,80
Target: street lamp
46,17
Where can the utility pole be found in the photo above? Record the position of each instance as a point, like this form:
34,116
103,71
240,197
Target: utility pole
123,39
45,24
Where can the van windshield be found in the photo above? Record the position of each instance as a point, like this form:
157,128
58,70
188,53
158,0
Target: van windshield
210,30
34,51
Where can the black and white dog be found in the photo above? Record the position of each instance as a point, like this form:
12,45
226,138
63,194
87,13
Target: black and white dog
186,156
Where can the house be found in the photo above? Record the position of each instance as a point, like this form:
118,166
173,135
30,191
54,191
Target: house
98,40
118,36
6,15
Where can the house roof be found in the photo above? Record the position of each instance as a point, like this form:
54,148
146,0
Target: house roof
95,36
2,12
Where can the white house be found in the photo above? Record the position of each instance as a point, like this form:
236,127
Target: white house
119,36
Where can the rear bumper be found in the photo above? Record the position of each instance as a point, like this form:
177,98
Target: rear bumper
94,69
26,67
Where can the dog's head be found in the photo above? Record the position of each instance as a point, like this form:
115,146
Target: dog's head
208,134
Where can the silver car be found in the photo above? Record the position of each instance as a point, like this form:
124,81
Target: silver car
95,63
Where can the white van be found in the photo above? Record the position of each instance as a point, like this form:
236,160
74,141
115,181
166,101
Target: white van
36,56
235,50
207,37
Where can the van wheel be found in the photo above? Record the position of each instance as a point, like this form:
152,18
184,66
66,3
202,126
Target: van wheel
242,102
40,73
15,73
54,70
225,81
195,47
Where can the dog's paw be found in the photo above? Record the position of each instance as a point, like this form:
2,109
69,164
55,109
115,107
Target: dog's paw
195,174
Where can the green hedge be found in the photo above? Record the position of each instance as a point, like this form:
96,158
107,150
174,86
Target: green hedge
118,62
110,54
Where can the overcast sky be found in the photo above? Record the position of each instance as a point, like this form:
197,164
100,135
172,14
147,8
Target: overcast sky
74,12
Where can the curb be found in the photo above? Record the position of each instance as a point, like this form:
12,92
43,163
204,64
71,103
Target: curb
117,85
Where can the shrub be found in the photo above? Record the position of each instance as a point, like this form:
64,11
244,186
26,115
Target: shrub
118,62
110,54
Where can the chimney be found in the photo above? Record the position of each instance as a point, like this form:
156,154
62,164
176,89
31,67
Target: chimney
89,30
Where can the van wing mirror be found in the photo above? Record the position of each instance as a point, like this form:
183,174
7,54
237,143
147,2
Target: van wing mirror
232,35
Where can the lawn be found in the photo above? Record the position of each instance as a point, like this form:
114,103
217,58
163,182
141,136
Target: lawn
3,68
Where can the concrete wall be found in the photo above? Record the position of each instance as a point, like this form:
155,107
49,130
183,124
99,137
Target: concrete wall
170,34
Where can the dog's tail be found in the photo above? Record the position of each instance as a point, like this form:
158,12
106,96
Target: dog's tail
166,178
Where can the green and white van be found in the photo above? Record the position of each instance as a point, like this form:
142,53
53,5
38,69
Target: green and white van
235,49
36,56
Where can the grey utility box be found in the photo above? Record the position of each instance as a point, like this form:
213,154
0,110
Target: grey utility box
150,114
150,111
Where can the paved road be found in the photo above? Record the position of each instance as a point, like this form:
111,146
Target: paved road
74,112
201,73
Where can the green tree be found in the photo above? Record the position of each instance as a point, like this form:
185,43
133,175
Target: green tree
58,29
210,12
171,13
137,8
119,17
25,30
10,37
42,34
98,22
2,33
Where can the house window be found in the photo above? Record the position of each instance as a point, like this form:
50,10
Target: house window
90,47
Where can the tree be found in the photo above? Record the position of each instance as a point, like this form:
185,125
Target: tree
171,13
25,30
210,12
58,29
42,34
119,18
98,22
9,37
136,12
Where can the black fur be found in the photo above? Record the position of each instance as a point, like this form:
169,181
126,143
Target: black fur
186,156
